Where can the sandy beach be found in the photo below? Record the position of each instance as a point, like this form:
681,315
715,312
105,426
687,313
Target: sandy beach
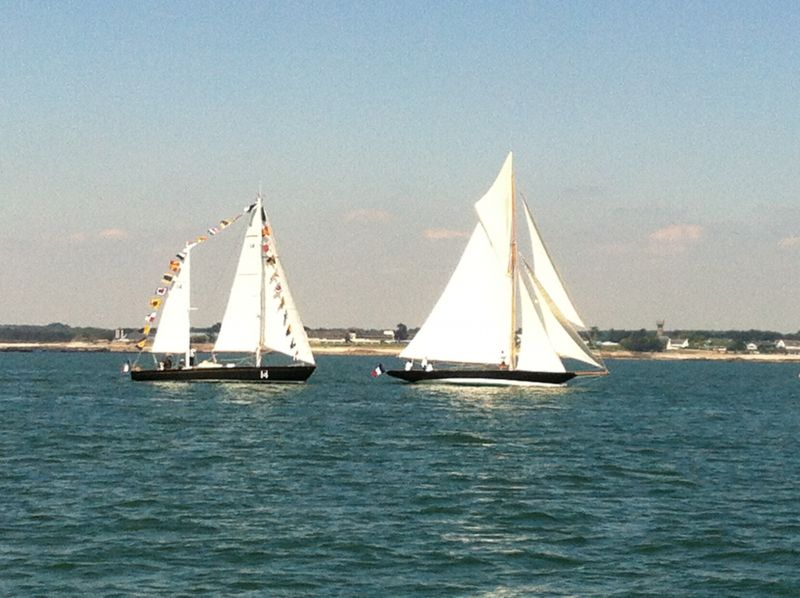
393,349
126,347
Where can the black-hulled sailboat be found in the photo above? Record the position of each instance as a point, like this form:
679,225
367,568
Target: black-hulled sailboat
260,318
502,319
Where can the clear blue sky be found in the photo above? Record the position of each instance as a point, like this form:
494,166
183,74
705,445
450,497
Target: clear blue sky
658,144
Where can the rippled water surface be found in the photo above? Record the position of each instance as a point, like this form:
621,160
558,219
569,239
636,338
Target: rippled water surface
662,479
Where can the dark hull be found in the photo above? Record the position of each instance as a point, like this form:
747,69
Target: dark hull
484,377
264,375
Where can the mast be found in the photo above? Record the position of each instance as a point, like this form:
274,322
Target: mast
186,359
512,267
260,209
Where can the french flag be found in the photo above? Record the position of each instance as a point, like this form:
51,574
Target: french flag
378,370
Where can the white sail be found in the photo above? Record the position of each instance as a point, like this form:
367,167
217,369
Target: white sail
536,352
283,329
173,333
495,212
547,275
563,337
241,324
471,322
473,319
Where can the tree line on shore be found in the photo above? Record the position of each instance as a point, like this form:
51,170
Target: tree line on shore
52,333
632,340
731,340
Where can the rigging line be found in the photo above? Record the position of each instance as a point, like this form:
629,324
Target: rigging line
513,358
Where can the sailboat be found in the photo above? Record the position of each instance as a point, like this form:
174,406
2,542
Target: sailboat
260,318
504,318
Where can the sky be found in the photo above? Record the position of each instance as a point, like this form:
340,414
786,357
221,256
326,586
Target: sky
658,144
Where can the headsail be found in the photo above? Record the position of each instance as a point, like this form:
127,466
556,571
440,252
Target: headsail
283,329
173,333
564,339
536,352
547,275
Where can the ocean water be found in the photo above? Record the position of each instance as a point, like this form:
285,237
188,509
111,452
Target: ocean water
665,478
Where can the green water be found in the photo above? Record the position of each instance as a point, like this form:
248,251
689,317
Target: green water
662,479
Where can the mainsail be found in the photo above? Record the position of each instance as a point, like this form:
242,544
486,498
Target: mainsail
241,324
471,322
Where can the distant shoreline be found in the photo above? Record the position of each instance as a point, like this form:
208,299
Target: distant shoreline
393,349
125,347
